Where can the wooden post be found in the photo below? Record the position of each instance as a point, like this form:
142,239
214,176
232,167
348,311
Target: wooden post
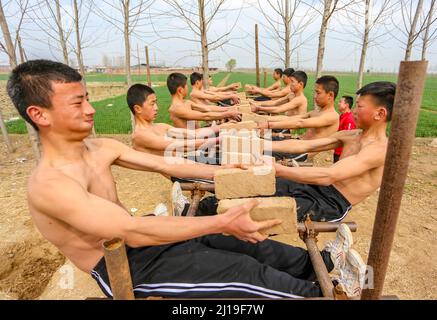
138,58
118,270
409,92
258,80
149,78
5,134
265,78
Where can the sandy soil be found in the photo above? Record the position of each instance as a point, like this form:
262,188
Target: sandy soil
30,267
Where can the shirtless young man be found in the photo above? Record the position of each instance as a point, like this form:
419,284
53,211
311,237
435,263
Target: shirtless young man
276,86
199,95
327,194
319,123
156,138
295,104
182,111
273,95
73,201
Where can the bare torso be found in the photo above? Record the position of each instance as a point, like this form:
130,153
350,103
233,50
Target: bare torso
159,130
302,105
360,187
177,121
94,174
322,132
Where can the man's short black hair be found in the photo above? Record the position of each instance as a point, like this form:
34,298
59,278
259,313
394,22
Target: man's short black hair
194,77
137,94
329,84
349,100
288,72
30,83
279,71
300,76
384,92
174,81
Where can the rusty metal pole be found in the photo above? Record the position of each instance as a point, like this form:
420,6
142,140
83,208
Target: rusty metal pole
149,78
199,186
195,200
409,92
118,269
258,77
321,227
319,267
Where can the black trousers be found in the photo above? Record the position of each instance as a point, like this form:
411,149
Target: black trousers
321,203
219,266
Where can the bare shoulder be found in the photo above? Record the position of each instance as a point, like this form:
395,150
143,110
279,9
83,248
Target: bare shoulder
346,134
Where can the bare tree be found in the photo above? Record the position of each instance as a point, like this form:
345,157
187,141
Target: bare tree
376,13
10,49
78,38
411,25
429,35
329,8
286,26
198,16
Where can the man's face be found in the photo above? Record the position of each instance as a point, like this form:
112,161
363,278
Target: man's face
149,109
367,112
276,76
71,111
321,97
286,80
342,105
294,84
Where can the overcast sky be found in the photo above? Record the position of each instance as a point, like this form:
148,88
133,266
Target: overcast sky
171,40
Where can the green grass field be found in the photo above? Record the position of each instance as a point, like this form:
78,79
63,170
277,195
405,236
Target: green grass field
112,115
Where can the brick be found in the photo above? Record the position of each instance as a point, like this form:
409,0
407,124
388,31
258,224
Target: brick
245,142
244,108
239,183
238,158
283,208
249,125
253,117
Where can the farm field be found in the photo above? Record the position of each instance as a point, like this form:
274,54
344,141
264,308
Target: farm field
112,116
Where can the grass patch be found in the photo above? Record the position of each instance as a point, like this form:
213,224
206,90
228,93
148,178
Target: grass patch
113,115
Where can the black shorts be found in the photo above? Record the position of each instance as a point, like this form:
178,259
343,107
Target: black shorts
296,156
217,266
322,203
336,158
262,98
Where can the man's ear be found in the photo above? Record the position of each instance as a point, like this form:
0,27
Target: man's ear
137,109
381,114
38,115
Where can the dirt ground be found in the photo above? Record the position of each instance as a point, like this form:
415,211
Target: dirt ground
30,266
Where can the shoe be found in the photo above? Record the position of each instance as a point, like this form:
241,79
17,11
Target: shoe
352,274
178,199
161,210
339,247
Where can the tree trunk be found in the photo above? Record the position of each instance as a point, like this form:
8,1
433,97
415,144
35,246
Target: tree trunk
428,25
365,46
322,37
78,42
258,77
287,34
13,62
8,142
127,53
204,43
412,34
149,78
61,32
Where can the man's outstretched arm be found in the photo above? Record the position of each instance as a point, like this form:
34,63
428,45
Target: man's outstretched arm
367,159
303,146
66,200
305,121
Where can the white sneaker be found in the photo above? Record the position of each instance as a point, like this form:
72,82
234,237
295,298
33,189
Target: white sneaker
339,247
161,210
178,199
352,274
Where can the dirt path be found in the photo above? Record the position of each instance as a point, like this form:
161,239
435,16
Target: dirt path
224,80
28,262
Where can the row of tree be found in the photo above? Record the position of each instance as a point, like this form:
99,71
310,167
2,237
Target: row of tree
284,22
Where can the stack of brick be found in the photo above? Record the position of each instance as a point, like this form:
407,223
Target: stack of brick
234,187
